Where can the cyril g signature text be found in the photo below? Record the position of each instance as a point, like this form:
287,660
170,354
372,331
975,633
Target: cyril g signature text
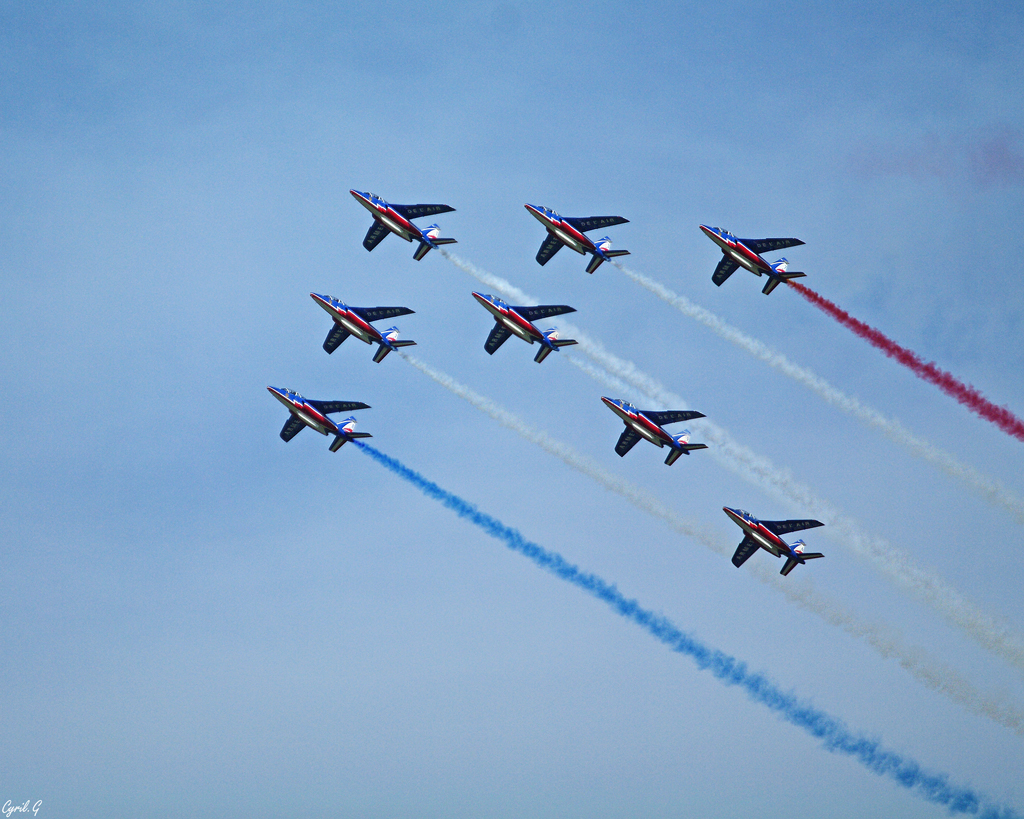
26,807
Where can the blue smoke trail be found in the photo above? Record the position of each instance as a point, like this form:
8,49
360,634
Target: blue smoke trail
835,736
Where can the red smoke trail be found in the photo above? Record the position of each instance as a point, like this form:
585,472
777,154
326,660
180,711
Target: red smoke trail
949,384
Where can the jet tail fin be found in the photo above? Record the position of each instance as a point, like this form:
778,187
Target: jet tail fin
685,449
339,440
775,279
424,247
384,349
791,562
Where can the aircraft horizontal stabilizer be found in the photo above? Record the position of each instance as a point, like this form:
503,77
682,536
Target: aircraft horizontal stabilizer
421,251
384,349
340,440
792,561
594,263
774,281
542,353
684,449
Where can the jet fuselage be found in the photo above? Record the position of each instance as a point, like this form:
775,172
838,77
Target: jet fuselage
751,526
509,318
639,422
388,216
737,251
304,411
351,321
566,233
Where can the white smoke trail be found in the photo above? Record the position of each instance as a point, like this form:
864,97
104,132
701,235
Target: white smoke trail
915,661
895,564
987,488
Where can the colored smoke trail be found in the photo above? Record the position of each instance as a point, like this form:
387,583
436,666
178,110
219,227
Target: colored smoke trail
833,734
931,674
893,563
967,395
987,488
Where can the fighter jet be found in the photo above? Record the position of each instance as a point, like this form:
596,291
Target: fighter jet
570,230
765,534
305,412
519,320
355,321
398,220
747,253
648,424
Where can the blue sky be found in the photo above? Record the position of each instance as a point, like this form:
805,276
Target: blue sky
198,617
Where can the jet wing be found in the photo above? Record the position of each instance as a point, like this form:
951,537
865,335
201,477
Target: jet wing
725,269
746,548
292,427
672,416
416,211
543,311
378,313
334,338
760,246
375,234
549,248
585,223
782,527
626,441
338,406
496,338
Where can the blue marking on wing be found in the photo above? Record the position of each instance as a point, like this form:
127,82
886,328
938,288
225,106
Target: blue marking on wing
782,527
292,427
672,416
378,313
334,338
760,246
375,235
540,311
626,441
337,406
496,338
725,269
552,244
585,223
416,211
746,548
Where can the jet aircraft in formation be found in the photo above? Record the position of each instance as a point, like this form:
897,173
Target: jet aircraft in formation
510,320
513,320
766,534
649,424
747,253
398,220
570,231
306,412
355,321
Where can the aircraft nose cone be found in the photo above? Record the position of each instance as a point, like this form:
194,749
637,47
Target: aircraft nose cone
707,231
480,297
319,297
609,402
359,194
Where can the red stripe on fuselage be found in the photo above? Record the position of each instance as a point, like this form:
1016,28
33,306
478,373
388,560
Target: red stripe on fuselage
323,420
519,321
